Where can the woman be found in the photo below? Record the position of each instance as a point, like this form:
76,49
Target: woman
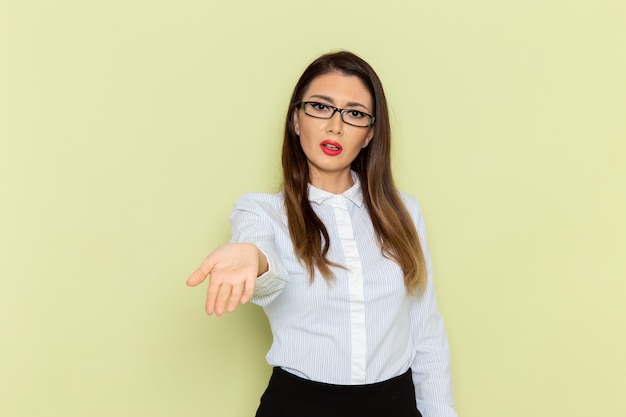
338,261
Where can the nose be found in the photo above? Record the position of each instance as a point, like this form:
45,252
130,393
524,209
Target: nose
335,123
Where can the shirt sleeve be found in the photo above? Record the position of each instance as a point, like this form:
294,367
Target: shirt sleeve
251,222
431,365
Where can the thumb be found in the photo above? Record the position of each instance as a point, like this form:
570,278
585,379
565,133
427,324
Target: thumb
200,274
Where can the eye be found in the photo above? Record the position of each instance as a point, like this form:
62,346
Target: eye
319,107
355,114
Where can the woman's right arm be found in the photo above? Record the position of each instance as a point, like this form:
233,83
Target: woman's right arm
250,266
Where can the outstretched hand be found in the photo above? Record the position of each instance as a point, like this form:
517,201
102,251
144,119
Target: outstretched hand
233,270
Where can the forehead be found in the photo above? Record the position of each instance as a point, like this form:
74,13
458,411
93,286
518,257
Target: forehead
340,88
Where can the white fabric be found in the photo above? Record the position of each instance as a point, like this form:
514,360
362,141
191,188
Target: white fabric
361,328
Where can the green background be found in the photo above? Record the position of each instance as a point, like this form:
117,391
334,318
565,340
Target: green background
128,129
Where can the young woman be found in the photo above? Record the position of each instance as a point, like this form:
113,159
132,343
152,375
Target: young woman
338,261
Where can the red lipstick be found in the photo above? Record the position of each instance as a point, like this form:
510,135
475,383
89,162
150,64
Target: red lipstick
330,147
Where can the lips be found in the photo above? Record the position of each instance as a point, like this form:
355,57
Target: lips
330,147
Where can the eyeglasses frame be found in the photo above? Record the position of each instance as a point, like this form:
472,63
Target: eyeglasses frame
303,104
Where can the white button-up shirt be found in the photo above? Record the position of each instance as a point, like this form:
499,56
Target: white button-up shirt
361,328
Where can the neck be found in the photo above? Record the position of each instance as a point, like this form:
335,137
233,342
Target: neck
335,183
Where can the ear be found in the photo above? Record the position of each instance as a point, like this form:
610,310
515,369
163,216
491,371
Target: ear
368,138
296,122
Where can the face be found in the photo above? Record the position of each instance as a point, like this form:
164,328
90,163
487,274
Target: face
330,145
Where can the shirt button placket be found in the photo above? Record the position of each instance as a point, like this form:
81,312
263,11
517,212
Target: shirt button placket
355,288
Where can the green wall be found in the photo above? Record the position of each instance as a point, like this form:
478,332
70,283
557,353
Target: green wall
128,128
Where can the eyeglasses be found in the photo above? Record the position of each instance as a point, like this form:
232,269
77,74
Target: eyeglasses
325,111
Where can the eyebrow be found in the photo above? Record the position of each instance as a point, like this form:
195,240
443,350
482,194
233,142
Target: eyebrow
329,99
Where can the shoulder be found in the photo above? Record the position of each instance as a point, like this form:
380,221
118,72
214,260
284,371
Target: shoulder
260,204
260,199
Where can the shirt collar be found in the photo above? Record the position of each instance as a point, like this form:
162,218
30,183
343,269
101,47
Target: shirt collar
353,193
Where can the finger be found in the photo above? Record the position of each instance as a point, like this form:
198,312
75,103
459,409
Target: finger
212,292
235,297
249,290
222,297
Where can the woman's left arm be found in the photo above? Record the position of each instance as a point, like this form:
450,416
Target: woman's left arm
431,366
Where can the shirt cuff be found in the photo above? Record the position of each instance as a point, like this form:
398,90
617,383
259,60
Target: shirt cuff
267,277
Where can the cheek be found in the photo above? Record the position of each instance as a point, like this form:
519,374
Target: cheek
311,130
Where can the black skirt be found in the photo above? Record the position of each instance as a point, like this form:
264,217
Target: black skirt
288,395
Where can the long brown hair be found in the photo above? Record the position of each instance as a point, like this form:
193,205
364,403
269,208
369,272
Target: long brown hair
395,230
